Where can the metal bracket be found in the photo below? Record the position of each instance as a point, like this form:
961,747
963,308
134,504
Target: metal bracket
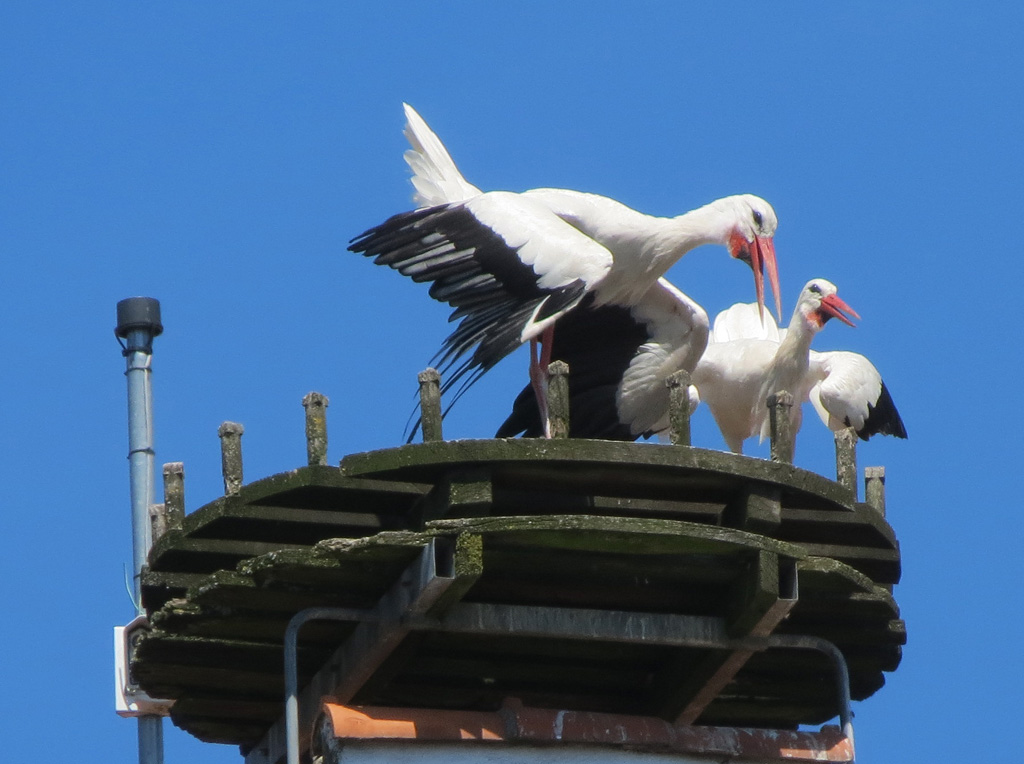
129,700
380,630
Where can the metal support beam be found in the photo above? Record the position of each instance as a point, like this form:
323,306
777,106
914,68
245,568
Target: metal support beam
638,628
766,596
379,632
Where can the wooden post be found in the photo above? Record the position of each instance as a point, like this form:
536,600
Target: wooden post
679,407
157,521
874,488
231,456
430,404
846,459
316,428
558,399
174,494
779,405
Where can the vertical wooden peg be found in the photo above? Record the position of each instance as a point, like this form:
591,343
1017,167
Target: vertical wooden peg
874,488
174,494
316,428
846,459
430,404
679,407
779,406
231,456
558,399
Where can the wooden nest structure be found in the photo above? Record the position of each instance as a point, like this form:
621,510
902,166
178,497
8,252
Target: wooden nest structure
663,582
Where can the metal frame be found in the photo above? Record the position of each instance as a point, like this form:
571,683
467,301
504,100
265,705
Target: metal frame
407,607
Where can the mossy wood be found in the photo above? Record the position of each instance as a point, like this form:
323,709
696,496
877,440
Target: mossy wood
580,525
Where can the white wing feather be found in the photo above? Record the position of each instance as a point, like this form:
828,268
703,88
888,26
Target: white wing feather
678,333
848,383
742,322
434,175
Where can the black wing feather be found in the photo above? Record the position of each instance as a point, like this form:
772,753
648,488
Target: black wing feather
598,343
883,418
473,270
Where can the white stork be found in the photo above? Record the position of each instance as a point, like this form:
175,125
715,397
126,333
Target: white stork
513,264
746,361
619,358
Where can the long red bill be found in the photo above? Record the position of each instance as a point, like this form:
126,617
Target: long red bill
765,247
835,307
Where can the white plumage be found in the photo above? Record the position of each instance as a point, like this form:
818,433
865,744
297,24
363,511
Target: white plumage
512,265
619,358
746,361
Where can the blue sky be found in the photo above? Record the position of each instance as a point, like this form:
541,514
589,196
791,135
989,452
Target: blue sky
219,157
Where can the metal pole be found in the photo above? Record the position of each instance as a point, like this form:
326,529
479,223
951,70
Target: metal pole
138,322
291,665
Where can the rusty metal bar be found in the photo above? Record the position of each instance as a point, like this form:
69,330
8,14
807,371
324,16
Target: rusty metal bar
230,434
430,404
679,407
558,399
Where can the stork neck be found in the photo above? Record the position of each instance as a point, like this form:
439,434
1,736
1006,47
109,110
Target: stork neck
678,235
797,342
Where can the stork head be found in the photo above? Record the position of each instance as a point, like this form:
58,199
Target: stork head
819,302
751,239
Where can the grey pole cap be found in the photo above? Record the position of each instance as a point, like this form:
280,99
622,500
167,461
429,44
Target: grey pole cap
135,313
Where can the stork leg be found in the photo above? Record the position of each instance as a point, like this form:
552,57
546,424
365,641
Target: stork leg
539,375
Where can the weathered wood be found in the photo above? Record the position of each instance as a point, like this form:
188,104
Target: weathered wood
678,385
846,459
874,488
430,404
567,665
157,520
573,526
416,592
230,434
316,405
460,493
757,508
782,435
603,467
558,399
761,599
174,494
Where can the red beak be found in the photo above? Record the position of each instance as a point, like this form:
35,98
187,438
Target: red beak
760,255
765,247
834,307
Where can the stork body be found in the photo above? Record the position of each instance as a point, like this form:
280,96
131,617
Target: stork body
619,358
745,363
512,265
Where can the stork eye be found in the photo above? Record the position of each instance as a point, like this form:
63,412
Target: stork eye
815,288
758,219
